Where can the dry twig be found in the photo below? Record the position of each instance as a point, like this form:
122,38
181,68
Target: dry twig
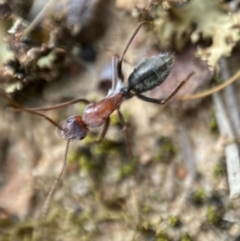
231,148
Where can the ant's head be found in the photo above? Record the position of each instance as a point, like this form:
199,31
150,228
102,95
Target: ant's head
73,128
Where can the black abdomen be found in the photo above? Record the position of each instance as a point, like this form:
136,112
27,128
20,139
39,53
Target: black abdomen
150,73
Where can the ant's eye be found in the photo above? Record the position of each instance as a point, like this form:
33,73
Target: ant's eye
70,120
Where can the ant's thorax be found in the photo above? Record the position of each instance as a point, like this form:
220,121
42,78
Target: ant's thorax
120,85
120,89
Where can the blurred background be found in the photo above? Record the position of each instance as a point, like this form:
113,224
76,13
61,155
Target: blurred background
183,182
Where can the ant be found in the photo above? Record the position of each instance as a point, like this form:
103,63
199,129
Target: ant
146,76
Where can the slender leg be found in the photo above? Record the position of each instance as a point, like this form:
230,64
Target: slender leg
114,72
104,131
117,73
125,128
160,101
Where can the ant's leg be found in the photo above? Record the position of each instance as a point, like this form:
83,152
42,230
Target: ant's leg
19,108
162,102
125,128
104,131
114,71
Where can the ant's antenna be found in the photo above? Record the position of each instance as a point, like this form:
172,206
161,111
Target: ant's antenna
213,90
57,106
142,21
36,20
46,203
19,108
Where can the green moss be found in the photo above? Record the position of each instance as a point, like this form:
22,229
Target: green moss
115,119
73,156
105,147
145,208
212,123
213,216
144,226
218,171
128,168
167,149
90,138
198,196
85,163
162,236
185,237
174,221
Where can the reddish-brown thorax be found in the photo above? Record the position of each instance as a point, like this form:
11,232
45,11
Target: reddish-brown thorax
96,114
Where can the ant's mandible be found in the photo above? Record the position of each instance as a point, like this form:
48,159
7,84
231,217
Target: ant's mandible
146,76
